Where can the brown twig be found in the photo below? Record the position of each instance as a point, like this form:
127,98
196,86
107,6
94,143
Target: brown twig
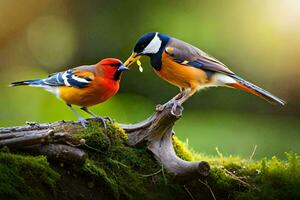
153,174
209,188
188,192
237,178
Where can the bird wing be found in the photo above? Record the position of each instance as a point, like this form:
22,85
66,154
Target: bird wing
188,55
79,77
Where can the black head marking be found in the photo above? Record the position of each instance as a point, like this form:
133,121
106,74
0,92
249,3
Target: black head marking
144,41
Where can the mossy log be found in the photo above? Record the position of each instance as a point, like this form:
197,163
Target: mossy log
55,140
98,163
59,152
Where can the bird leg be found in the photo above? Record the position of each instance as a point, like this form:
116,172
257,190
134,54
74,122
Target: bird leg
186,94
96,116
89,112
82,121
109,119
173,100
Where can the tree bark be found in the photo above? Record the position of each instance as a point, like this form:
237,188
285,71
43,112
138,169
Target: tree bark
59,152
155,132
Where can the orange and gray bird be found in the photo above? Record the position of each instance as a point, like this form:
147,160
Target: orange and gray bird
83,86
189,68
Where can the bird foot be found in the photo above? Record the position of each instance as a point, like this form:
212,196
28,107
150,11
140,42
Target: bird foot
83,122
176,109
109,119
102,119
160,107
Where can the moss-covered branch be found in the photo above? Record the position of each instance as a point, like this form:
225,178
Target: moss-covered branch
118,163
155,133
114,170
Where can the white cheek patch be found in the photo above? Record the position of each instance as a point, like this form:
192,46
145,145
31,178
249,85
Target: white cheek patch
153,46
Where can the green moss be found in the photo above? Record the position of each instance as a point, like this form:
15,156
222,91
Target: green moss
220,180
116,133
182,150
94,137
123,172
26,177
97,173
243,179
97,137
121,169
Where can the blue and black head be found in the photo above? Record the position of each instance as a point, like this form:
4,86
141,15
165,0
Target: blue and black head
151,43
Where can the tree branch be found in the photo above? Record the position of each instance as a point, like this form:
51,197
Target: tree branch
155,132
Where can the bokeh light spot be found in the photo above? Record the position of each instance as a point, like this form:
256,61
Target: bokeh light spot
52,41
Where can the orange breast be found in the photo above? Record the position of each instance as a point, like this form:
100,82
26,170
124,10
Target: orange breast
97,92
180,75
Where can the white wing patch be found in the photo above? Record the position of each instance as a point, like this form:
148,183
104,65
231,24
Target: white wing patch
81,80
64,77
184,62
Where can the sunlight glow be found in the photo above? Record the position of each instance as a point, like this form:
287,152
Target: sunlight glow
286,14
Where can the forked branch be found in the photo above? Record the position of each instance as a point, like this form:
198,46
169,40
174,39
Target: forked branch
156,133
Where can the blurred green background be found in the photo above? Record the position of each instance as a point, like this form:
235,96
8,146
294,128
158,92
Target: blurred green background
258,39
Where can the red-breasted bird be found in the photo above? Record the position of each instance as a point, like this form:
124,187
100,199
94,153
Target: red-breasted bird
83,86
189,68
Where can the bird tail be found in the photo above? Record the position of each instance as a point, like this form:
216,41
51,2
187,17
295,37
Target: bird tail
36,83
253,89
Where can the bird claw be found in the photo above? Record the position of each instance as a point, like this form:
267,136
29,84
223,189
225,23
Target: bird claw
109,119
160,107
174,110
102,121
83,122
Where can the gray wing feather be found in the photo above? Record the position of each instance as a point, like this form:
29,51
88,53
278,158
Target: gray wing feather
189,55
90,68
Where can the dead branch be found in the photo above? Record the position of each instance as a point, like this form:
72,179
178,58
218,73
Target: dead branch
155,132
59,152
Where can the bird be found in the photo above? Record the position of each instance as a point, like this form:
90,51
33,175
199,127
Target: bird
83,86
189,68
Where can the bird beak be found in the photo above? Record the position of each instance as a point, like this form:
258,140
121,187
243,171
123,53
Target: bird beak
132,59
122,68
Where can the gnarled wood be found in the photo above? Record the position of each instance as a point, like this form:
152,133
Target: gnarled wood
154,132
